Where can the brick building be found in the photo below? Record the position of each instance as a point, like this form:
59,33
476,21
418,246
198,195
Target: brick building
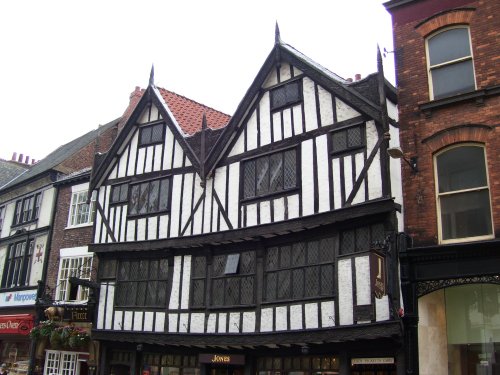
447,57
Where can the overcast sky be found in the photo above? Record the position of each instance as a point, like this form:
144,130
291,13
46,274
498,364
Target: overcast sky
68,66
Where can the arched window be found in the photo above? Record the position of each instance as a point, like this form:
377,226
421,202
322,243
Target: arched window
449,62
463,196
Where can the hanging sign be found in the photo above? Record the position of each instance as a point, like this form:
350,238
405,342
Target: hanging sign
378,274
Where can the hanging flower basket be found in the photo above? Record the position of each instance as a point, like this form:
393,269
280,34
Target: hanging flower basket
66,337
43,329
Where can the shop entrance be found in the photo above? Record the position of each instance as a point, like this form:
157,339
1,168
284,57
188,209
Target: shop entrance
225,370
374,370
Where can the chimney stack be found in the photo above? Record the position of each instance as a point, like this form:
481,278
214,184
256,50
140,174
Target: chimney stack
27,160
14,156
357,76
349,79
21,157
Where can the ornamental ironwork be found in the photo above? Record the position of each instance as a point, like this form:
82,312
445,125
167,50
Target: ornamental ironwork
426,287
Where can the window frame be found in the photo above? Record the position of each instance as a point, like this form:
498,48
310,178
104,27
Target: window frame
76,192
151,127
125,185
349,149
63,289
17,266
269,195
27,209
438,196
2,216
448,63
150,213
288,103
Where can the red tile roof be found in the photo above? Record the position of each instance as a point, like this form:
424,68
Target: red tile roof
187,112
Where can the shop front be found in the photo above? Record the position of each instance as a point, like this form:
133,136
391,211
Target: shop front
15,342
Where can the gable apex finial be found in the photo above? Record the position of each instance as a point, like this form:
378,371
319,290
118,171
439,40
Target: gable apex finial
152,76
277,38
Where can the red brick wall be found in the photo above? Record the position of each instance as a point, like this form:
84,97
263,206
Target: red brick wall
422,136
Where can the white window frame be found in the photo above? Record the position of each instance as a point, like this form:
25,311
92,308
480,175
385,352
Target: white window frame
77,192
61,363
72,255
451,62
439,195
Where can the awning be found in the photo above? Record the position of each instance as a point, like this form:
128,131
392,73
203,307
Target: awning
19,324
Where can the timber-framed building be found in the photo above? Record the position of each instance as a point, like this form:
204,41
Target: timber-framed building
252,243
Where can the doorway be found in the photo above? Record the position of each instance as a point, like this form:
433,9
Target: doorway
225,370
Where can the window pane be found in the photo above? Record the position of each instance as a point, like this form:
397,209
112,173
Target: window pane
339,140
157,134
466,214
449,45
461,168
134,199
453,79
249,183
290,178
145,136
276,173
153,196
354,138
164,194
143,198
262,166
123,192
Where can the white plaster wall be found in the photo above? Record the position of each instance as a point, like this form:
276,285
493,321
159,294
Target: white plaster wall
337,193
124,211
198,215
287,123
251,130
311,314
173,320
392,110
249,322
46,207
266,320
157,157
211,323
233,197
265,118
141,229
360,163
271,80
130,230
133,152
265,212
309,104
279,209
183,322
297,119
222,323
239,145
307,177
101,306
159,322
296,317
178,155
152,223
281,318
374,172
168,145
138,315
277,135
220,190
117,326
328,314
323,179
197,324
345,292
37,267
382,308
293,206
148,321
325,105
128,320
186,200
176,283
234,322
144,117
363,288
122,164
175,205
186,282
108,321
114,172
344,112
3,254
285,72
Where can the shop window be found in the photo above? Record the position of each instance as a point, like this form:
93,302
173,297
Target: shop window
233,288
449,60
300,270
149,197
463,196
270,174
169,364
298,365
27,209
81,212
17,267
142,283
80,267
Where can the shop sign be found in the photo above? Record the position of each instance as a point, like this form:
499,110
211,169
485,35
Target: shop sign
378,274
16,324
222,359
372,361
25,297
77,314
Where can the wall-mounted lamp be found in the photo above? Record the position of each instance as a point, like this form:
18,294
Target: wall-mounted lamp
397,153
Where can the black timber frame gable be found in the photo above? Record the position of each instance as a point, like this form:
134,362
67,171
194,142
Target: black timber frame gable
150,97
255,92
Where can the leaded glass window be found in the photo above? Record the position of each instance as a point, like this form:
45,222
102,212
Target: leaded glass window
152,134
361,238
149,197
347,139
286,95
268,174
300,270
